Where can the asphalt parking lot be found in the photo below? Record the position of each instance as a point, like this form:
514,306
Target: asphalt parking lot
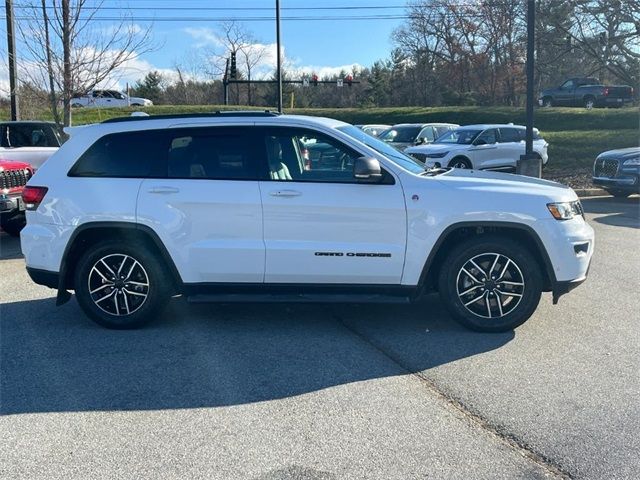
328,392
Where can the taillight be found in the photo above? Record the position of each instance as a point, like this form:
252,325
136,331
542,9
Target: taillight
32,196
606,91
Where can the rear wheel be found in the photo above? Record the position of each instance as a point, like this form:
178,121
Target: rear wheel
589,103
490,284
120,286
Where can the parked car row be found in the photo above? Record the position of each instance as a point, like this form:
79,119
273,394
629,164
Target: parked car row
480,147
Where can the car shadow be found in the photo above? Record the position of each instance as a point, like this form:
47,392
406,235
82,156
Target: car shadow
9,247
55,360
617,212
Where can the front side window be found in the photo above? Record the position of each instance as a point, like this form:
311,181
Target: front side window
568,85
214,154
487,137
400,134
459,136
427,133
306,156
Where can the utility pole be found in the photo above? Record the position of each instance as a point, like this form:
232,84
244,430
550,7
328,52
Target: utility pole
13,71
279,59
530,163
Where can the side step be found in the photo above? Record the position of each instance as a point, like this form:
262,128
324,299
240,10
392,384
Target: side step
293,298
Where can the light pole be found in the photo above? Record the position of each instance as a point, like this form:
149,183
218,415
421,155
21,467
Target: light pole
11,53
278,56
530,163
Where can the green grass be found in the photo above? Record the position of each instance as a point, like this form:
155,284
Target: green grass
573,150
575,135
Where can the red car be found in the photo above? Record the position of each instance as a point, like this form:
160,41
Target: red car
13,177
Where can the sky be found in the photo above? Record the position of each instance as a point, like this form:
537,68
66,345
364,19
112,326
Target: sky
320,46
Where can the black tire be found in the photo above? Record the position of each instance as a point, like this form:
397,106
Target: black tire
589,102
158,290
13,225
77,105
513,310
547,102
619,193
460,162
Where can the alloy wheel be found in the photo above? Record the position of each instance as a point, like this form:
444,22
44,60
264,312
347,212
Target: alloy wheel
490,285
118,284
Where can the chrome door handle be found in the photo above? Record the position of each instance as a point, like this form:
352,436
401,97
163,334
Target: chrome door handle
163,190
285,193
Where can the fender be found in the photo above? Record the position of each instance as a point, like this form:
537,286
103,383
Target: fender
63,294
481,225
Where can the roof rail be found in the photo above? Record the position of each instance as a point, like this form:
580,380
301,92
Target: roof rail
216,114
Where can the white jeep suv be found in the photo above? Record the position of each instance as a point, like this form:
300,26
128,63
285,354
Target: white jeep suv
482,147
225,207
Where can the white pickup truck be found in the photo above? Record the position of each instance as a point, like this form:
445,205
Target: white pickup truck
109,98
29,141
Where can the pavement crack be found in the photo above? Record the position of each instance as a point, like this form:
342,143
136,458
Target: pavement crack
506,438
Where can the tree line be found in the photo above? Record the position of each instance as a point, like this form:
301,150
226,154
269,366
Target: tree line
447,52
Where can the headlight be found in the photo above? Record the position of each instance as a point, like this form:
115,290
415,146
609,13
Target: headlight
436,155
632,162
565,210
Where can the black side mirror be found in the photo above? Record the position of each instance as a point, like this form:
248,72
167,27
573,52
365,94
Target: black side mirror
367,169
419,141
481,141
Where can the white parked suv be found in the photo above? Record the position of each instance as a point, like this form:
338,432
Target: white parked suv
225,207
481,147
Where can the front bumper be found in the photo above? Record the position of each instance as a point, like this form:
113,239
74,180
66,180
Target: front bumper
624,182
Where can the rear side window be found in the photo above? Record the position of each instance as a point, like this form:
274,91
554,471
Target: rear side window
508,135
123,155
214,154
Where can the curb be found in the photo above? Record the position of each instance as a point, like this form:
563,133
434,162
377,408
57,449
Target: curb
591,192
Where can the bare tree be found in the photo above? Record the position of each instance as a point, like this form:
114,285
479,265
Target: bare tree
70,53
236,39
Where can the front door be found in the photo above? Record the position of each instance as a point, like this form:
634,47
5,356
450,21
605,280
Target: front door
321,226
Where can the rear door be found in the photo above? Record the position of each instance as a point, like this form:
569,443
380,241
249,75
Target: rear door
321,226
511,146
206,205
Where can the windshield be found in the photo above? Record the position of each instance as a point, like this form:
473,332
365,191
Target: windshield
461,136
389,152
400,134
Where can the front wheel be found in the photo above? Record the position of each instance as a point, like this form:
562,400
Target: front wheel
547,102
619,193
120,286
490,284
460,162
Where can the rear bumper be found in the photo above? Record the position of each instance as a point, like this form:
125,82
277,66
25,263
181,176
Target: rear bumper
44,277
613,101
11,204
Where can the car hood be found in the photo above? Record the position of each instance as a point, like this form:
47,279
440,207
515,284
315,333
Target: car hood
12,165
622,153
437,148
496,182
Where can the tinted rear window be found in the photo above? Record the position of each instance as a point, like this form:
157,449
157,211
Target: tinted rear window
123,155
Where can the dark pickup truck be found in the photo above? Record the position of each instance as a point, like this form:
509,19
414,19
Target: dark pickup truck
586,92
